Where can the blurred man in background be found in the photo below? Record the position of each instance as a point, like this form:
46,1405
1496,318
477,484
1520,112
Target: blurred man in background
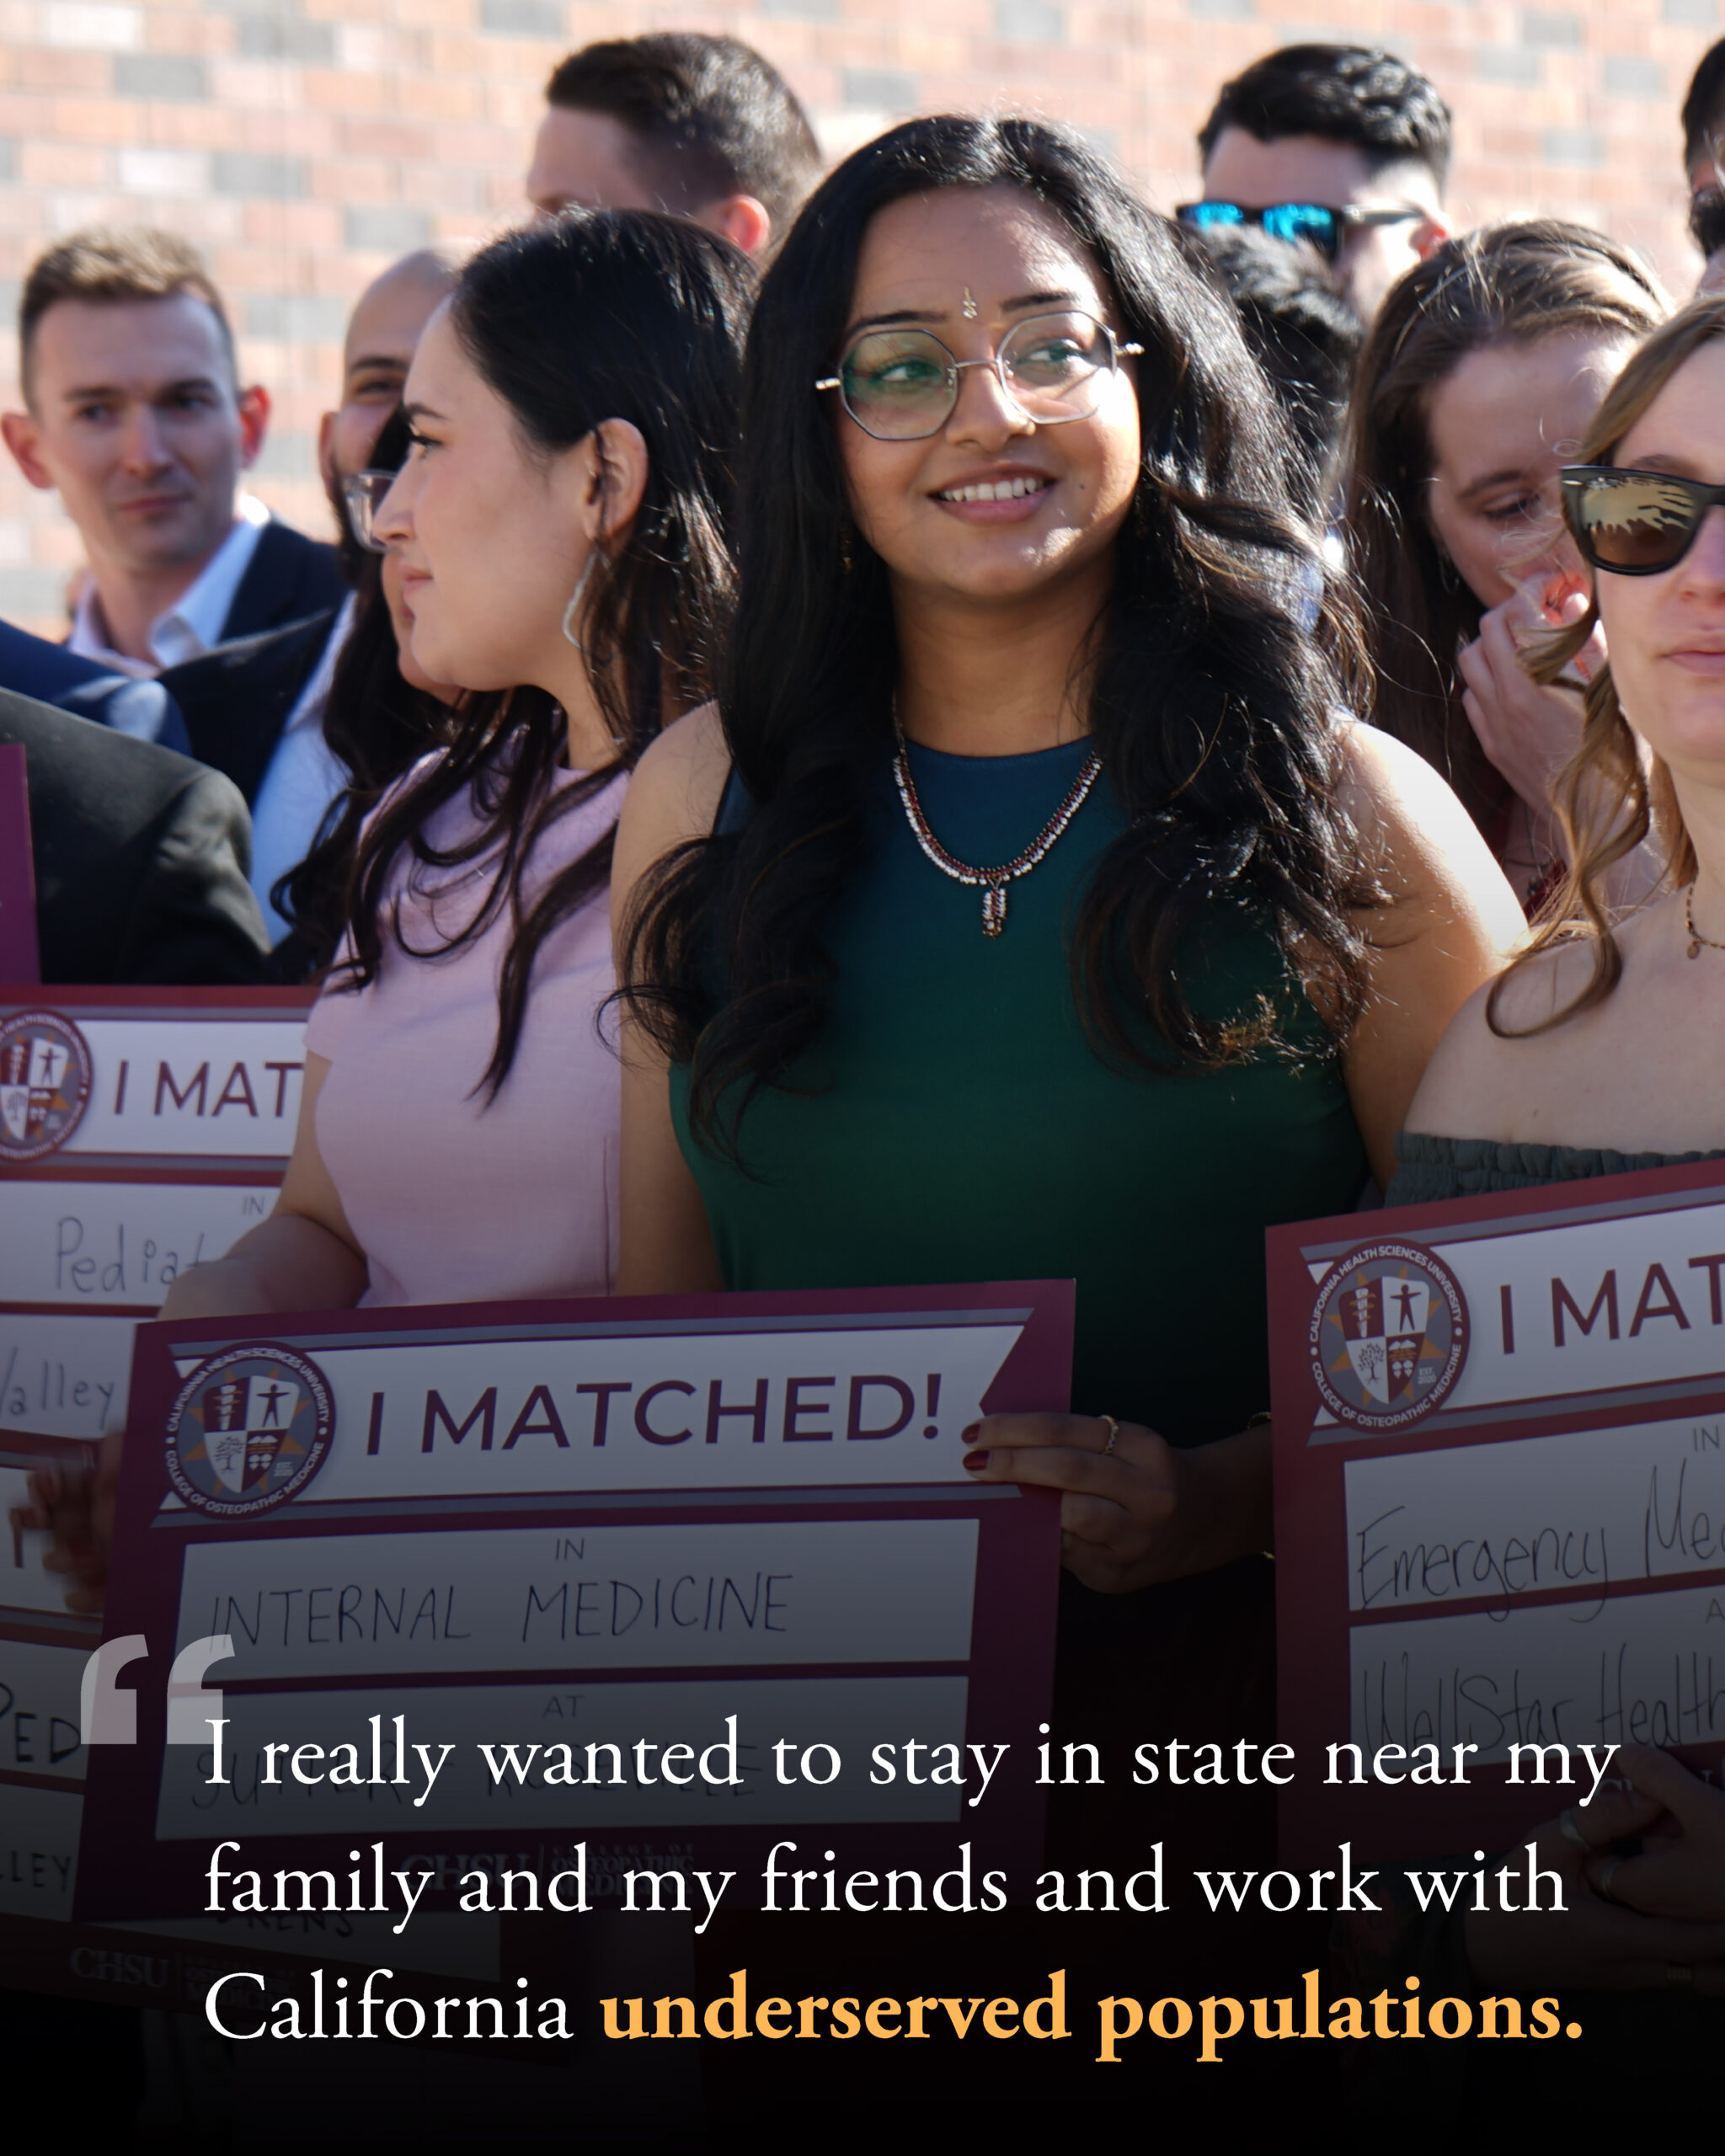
1703,164
1342,146
136,414
382,333
701,126
254,708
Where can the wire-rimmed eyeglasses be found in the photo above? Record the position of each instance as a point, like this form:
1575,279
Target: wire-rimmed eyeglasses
902,385
363,492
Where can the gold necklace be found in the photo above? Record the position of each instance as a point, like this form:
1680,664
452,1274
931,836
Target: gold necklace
993,880
1695,938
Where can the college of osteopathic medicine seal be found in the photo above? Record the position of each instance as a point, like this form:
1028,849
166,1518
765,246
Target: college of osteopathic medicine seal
1388,1336
45,1082
249,1429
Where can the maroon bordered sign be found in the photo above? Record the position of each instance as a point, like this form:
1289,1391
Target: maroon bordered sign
1529,1550
624,1519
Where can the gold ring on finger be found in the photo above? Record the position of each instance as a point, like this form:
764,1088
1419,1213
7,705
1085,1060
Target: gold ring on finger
1569,1827
1114,1429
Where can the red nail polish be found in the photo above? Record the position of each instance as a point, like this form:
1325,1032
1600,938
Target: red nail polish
969,1431
975,1461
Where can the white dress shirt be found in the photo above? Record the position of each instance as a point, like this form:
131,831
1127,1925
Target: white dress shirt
193,625
303,776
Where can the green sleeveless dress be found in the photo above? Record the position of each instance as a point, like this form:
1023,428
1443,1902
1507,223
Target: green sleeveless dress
954,1122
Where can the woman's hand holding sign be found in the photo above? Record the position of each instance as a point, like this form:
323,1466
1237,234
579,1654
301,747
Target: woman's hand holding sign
1680,1871
1135,1510
75,1505
1652,1920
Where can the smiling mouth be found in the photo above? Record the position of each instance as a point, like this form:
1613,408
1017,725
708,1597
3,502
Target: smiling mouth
995,490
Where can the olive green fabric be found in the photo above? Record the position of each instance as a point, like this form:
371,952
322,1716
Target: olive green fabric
954,1122
1429,1167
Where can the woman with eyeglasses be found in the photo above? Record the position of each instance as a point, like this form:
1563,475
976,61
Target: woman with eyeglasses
1482,372
1023,910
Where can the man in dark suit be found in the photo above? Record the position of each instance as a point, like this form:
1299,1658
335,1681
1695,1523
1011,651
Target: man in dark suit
135,412
141,857
236,701
52,675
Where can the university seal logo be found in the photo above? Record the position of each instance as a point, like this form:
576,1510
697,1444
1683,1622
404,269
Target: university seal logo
1389,1336
44,1082
249,1430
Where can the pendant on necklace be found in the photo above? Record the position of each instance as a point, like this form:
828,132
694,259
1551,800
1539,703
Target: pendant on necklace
1695,946
994,909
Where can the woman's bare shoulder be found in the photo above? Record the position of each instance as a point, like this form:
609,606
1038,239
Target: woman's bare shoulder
674,794
1442,889
1408,814
1495,1070
685,770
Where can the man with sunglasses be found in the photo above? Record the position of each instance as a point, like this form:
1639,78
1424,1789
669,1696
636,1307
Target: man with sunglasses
1341,146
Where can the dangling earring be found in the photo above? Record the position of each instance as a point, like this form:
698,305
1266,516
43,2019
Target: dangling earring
845,563
574,607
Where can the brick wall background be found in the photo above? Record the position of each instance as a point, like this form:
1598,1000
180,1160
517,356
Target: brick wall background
304,143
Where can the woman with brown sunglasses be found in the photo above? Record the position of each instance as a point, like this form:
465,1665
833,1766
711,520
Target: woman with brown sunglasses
1598,1051
1599,1048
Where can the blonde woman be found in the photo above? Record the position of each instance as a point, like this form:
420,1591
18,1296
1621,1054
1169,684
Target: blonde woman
1599,1048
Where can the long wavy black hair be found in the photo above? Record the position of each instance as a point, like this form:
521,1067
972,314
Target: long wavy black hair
1210,703
378,724
593,315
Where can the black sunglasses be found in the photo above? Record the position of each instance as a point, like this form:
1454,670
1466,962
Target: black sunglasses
1635,523
1322,227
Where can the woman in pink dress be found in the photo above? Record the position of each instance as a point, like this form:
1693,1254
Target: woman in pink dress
560,527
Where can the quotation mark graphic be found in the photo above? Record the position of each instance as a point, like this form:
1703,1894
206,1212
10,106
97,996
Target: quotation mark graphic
108,1716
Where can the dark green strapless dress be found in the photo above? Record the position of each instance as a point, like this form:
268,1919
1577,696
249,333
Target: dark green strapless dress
954,1121
1428,1167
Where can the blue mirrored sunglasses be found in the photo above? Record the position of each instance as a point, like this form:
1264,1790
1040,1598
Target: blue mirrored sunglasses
1316,222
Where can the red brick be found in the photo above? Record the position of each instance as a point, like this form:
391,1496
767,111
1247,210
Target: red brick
423,106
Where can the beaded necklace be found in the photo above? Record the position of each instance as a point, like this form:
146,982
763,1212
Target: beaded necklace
993,882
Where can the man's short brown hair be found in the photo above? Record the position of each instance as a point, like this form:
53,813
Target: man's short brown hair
113,263
709,117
